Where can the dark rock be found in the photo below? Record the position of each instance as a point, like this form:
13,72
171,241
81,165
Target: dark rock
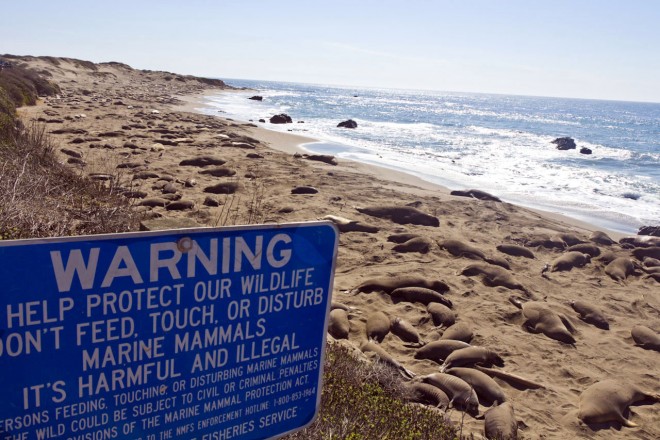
262,120
256,98
322,158
203,161
348,124
222,188
565,143
649,230
631,196
281,119
304,190
286,210
585,150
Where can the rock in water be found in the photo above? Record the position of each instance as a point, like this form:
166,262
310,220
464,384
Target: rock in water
565,143
348,124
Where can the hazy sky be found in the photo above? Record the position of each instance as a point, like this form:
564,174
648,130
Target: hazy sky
579,48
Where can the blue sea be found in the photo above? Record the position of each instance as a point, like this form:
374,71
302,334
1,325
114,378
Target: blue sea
497,143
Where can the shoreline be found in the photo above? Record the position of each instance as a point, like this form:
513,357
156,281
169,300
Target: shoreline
292,143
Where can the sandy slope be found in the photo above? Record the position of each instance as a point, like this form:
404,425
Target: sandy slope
138,108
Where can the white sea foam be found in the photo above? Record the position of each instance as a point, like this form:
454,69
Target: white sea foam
502,146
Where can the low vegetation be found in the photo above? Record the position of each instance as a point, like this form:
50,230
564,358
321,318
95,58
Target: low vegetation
40,197
364,401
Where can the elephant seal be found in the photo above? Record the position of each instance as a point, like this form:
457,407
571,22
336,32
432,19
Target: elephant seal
493,276
389,284
426,394
439,350
539,318
420,295
458,332
569,260
645,337
599,237
650,262
515,251
406,331
459,249
346,225
441,315
500,422
585,248
473,355
608,400
650,252
402,237
378,326
589,313
620,268
401,215
643,241
569,239
488,391
421,245
378,351
339,326
546,242
460,393
476,194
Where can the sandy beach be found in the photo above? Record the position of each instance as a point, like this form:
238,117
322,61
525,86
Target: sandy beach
112,118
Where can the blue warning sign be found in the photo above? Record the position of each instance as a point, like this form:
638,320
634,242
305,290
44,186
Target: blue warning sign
207,334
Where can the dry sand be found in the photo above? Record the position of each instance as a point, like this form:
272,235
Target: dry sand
130,118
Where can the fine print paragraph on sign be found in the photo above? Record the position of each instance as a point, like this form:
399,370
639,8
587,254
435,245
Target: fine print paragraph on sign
206,334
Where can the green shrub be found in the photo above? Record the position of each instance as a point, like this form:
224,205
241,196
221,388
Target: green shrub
361,401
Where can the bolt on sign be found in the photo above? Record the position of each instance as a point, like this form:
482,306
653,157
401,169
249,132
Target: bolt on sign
207,334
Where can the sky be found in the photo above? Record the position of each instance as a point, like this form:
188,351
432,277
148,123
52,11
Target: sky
600,49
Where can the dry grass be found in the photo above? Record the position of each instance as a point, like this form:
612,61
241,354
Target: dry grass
39,197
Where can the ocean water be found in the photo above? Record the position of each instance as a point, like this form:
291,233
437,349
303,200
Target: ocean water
497,143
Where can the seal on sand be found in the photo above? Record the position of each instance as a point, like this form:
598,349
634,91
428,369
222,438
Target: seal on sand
402,237
650,252
372,347
402,215
346,225
500,422
420,295
417,244
539,318
459,249
441,315
426,394
406,331
439,350
462,395
378,326
475,193
473,355
488,391
569,260
458,332
585,248
645,337
589,313
338,326
515,250
599,237
607,400
388,284
493,276
620,268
